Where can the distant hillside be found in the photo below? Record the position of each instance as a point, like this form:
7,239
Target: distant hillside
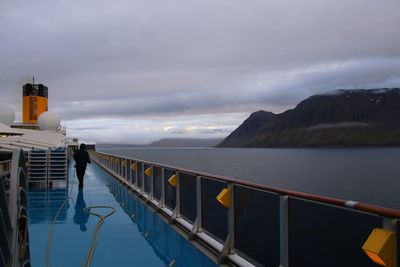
186,142
338,118
117,146
168,142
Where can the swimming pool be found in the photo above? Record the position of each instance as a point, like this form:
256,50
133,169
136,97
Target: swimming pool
134,235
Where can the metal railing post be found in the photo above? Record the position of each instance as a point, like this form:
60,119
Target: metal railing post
162,200
231,219
143,177
152,182
136,174
199,211
178,195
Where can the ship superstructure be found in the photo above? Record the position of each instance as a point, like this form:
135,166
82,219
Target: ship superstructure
39,129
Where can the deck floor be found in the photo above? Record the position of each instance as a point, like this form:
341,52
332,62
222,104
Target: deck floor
132,236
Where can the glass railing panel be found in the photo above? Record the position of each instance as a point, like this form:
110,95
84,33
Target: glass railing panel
139,174
170,191
214,215
188,195
157,182
147,180
257,225
324,235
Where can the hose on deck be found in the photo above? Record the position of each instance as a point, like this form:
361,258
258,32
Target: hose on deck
92,249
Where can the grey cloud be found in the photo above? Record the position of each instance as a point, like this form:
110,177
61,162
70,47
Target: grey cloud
168,58
271,92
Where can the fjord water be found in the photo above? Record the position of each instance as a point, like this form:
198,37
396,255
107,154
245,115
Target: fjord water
369,175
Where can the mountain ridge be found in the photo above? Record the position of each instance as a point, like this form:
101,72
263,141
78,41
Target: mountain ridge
341,117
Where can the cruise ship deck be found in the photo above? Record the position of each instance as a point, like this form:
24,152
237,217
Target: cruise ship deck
167,216
134,235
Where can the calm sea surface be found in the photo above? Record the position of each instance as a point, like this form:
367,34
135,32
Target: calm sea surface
369,175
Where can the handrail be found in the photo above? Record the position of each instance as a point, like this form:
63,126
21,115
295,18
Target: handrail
378,210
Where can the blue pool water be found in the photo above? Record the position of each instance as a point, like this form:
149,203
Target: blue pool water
133,235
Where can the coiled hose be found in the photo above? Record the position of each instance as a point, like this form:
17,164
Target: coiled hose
92,249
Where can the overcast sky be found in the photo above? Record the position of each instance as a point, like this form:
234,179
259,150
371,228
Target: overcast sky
133,71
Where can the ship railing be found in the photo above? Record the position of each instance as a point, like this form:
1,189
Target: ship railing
14,243
249,224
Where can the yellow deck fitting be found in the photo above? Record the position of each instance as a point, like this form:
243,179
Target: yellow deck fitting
173,180
381,247
116,161
124,163
224,197
149,171
133,166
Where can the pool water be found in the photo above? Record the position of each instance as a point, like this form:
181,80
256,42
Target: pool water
132,236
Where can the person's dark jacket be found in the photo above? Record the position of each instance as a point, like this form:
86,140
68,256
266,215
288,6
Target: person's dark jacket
81,158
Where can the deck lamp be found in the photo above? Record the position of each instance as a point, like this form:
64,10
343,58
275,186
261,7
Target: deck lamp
149,171
173,180
133,166
224,197
381,247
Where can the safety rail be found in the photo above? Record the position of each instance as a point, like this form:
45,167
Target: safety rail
248,224
14,245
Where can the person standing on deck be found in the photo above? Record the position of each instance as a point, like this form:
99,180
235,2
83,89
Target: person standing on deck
81,158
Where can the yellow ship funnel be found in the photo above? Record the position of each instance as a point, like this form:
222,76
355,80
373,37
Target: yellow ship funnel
34,102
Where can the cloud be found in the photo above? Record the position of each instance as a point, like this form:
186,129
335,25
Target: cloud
141,59
146,130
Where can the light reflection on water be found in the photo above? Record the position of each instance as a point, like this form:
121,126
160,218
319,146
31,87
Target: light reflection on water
133,235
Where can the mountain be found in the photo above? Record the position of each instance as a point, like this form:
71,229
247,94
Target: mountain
168,142
247,129
118,145
186,142
338,118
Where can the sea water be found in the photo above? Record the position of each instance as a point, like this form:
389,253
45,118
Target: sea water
369,175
